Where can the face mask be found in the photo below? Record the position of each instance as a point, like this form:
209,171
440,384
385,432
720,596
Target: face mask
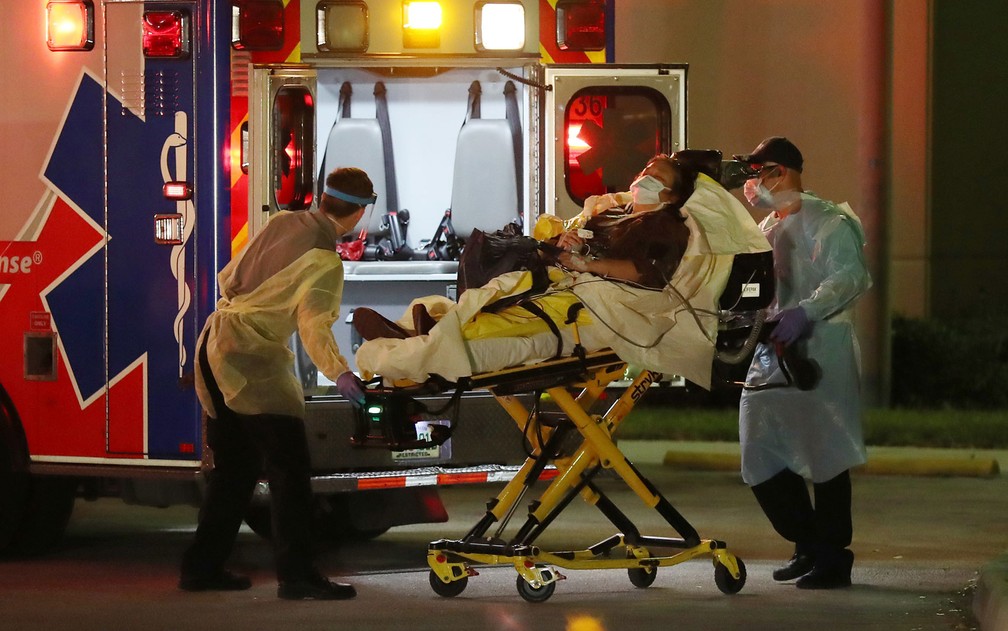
757,194
646,190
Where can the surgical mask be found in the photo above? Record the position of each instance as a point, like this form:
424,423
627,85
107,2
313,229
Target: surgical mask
757,194
646,190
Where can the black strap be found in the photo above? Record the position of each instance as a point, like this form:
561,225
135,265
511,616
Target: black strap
473,106
381,113
536,310
514,122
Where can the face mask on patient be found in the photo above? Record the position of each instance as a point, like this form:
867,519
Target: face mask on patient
646,190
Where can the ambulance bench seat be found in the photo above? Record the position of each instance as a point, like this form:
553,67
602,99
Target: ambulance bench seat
485,182
357,142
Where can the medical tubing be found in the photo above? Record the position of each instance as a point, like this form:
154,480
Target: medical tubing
750,343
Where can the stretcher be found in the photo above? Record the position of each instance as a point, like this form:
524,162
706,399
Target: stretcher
559,415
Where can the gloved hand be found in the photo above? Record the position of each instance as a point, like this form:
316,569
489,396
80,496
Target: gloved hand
351,387
791,325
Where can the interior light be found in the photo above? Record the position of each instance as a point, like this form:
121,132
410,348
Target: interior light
257,24
580,24
421,24
176,190
343,25
70,25
165,34
500,25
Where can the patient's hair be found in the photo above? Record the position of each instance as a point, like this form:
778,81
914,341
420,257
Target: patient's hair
681,177
349,180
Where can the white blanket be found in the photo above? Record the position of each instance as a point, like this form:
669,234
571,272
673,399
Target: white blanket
671,331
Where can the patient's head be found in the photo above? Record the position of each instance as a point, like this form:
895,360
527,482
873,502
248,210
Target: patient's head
663,182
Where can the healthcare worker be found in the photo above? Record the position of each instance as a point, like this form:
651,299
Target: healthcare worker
288,278
789,435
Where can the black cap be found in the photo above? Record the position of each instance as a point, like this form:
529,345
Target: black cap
776,149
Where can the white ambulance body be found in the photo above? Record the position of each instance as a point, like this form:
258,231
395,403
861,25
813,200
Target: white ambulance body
148,141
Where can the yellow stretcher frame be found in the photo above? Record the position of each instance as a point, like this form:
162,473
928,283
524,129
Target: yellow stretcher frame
451,561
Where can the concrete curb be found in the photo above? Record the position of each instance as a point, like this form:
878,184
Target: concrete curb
876,465
990,600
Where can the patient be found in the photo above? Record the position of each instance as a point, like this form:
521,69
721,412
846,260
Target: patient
669,252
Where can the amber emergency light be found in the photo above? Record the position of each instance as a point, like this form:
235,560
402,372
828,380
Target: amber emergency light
70,25
421,24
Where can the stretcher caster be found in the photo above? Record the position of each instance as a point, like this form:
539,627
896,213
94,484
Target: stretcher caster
533,594
642,577
447,590
727,583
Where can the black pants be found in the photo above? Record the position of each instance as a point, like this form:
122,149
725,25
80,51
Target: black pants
821,530
244,447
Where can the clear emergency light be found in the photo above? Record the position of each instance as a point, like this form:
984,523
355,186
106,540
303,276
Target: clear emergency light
70,25
421,24
176,191
257,25
580,24
165,34
500,25
342,26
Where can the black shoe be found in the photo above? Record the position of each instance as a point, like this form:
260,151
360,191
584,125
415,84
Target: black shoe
223,581
799,565
315,588
833,572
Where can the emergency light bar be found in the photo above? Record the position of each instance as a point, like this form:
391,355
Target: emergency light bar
165,34
421,24
580,24
70,25
500,25
342,26
257,25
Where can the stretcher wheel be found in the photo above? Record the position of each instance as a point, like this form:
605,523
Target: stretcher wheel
642,576
534,594
727,583
448,590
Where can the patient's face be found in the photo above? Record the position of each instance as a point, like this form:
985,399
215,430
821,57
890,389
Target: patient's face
666,173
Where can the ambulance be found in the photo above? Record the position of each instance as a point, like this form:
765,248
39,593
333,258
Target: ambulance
147,142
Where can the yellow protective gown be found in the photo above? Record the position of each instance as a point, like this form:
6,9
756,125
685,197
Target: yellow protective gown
819,266
288,278
670,330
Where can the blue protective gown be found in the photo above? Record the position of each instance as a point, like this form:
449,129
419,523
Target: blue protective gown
819,265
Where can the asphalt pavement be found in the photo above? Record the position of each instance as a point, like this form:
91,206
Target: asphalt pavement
990,599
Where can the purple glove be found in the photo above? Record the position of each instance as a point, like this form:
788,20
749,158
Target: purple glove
791,325
351,388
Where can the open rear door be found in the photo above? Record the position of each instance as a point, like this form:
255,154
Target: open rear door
603,123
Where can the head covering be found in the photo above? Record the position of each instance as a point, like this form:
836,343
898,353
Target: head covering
776,150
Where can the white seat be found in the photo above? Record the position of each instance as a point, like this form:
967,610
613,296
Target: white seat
357,142
485,184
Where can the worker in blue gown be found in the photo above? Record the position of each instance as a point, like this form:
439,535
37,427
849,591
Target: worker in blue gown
790,435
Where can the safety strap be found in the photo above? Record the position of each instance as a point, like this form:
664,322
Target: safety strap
537,311
381,114
473,106
342,111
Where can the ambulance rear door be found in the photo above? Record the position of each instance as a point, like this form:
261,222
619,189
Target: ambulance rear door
601,125
151,146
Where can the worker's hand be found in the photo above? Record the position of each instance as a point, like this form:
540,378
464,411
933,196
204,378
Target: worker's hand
791,325
351,387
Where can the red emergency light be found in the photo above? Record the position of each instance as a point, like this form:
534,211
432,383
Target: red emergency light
257,25
176,191
580,24
70,25
165,34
